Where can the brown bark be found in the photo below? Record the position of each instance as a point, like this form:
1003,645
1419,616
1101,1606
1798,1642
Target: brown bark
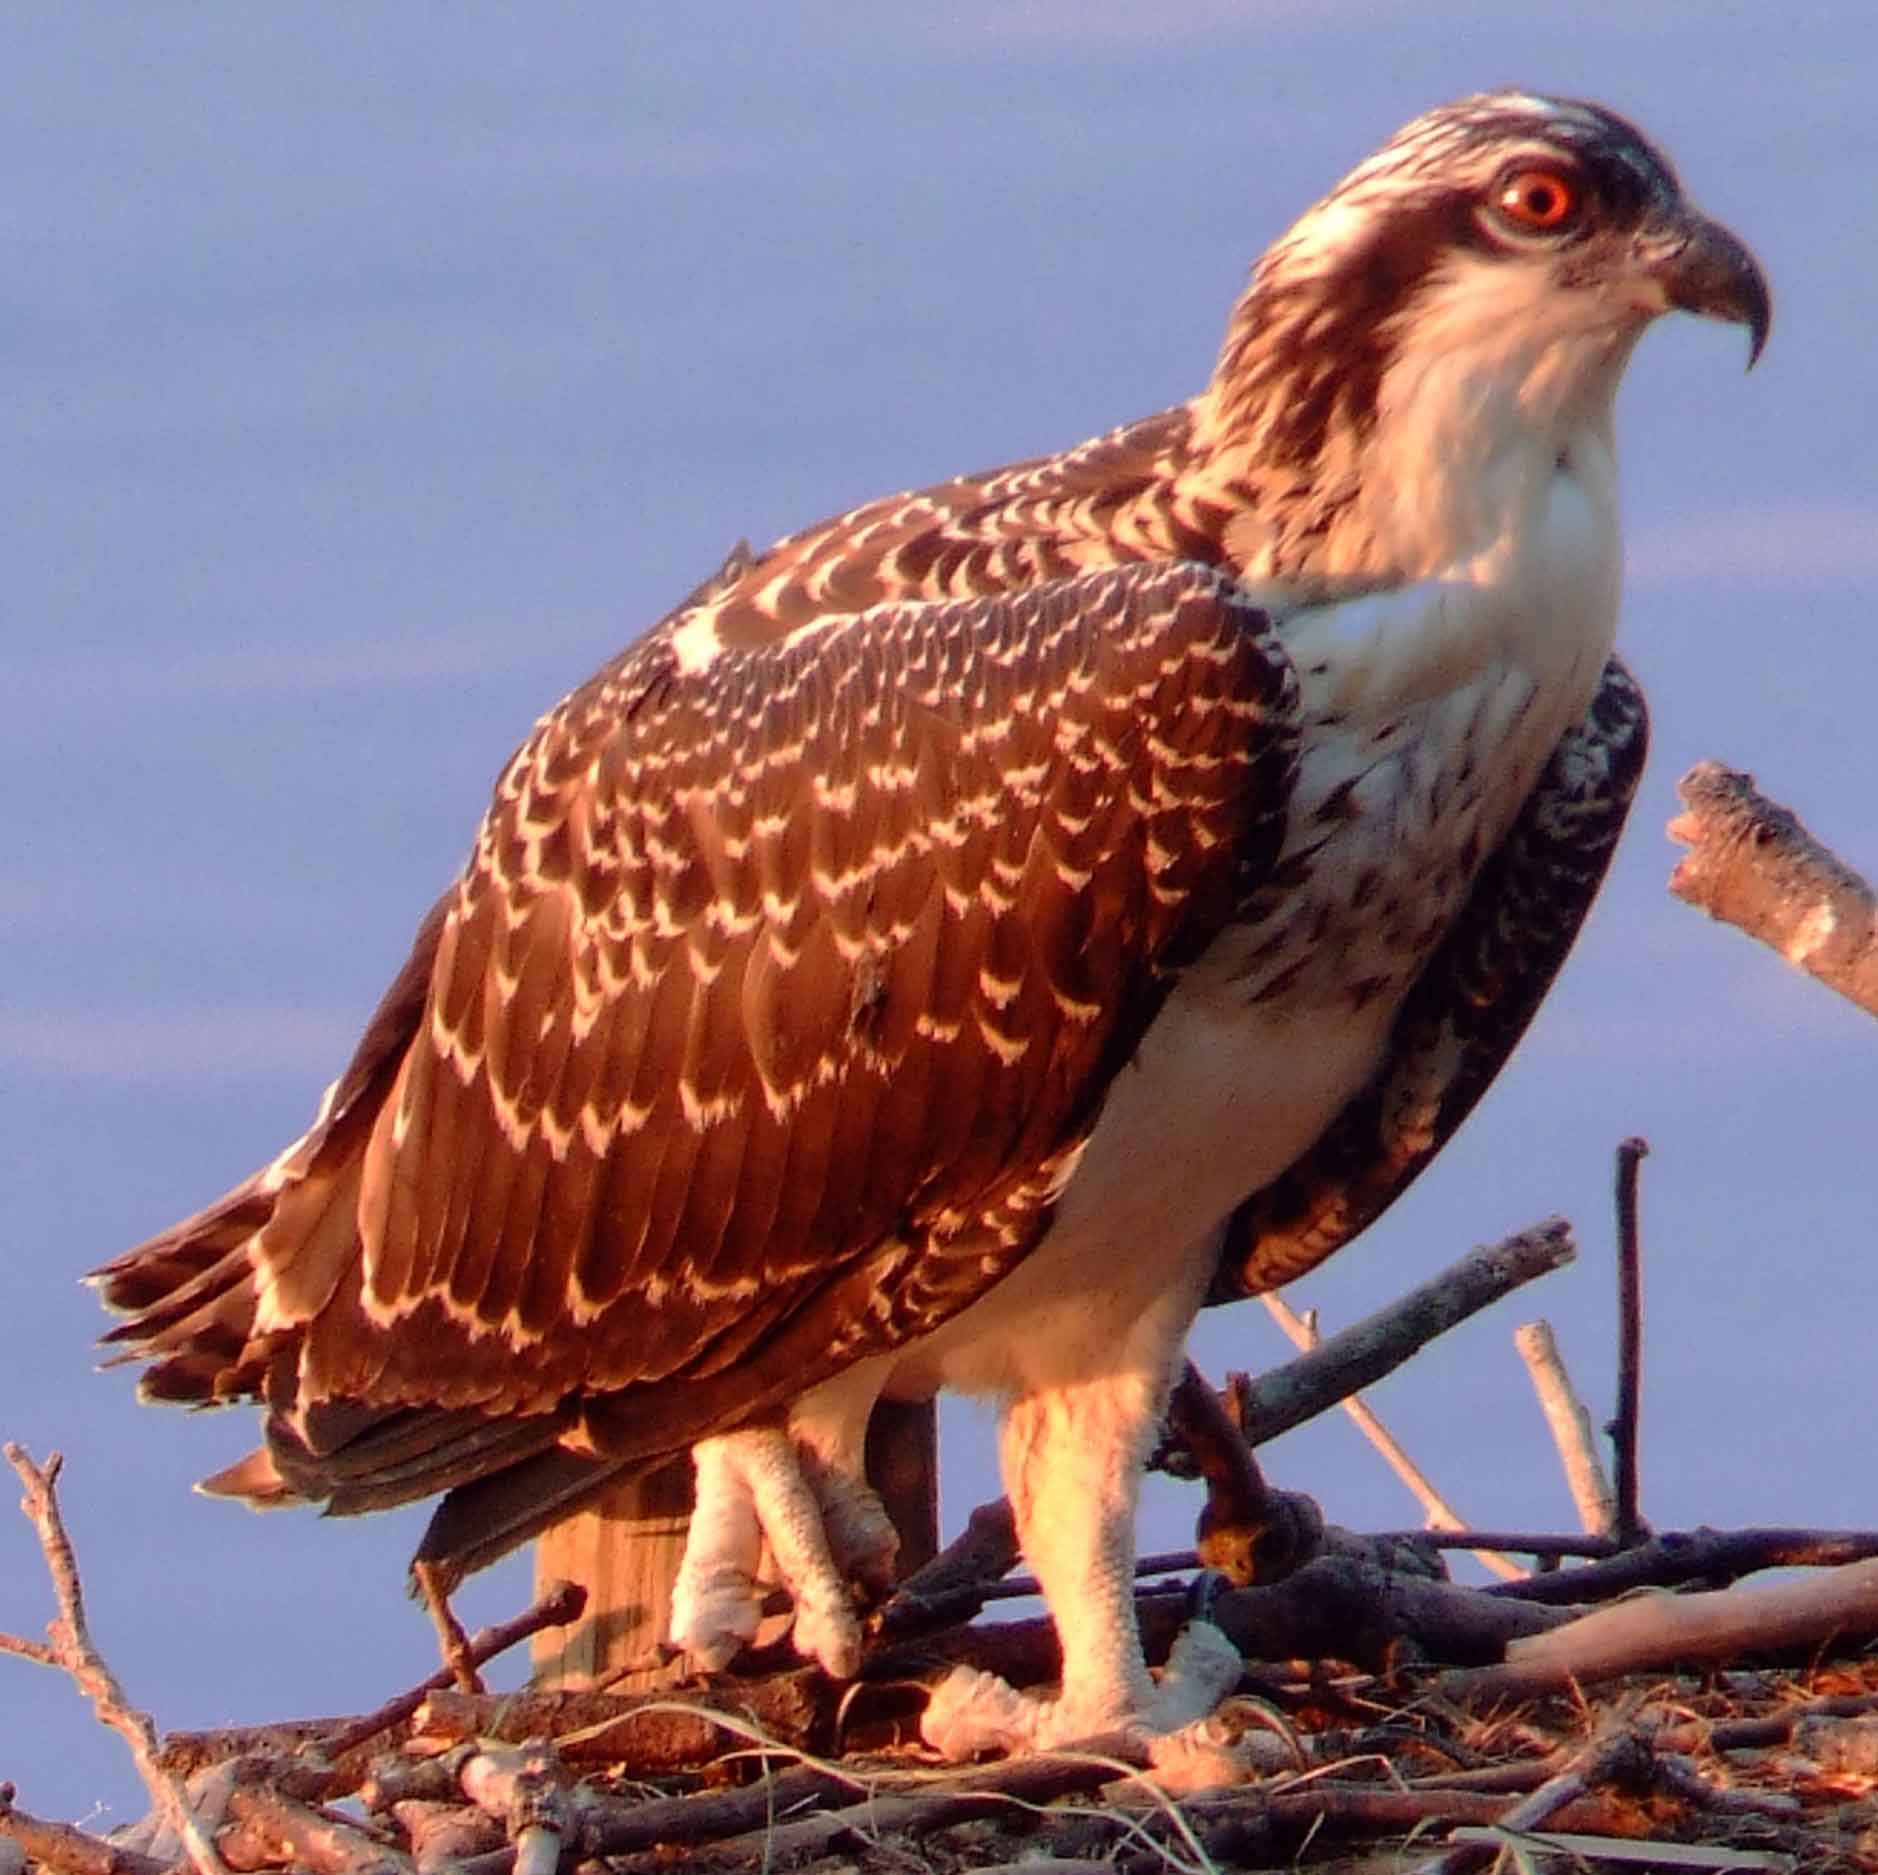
1339,1607
903,1466
655,1731
1248,1827
1754,866
267,1829
321,1759
445,1834
997,1792
1648,1633
1680,1556
620,1828
70,1850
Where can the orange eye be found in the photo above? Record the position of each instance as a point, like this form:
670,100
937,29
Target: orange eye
1538,199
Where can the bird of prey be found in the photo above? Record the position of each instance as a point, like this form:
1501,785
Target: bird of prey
958,940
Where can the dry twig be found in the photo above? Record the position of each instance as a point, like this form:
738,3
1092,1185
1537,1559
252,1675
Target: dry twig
72,1647
560,1604
1570,1425
1360,1355
1622,1759
1623,1427
1440,1513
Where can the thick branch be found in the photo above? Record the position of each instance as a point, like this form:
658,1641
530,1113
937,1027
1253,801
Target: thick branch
997,1792
321,1759
1680,1556
1339,1607
526,1789
1646,1633
72,1851
1754,866
1363,1353
653,1731
1703,1735
268,1829
620,1828
1508,1542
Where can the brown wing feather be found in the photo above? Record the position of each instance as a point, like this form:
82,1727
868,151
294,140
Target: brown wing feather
1467,1010
768,1003
771,1010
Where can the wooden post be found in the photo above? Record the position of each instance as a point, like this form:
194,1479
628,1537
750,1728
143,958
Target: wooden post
903,1466
626,1554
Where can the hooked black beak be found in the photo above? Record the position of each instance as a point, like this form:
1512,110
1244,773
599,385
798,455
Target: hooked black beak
1703,268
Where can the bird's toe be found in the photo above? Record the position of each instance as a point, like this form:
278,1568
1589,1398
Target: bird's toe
972,1712
715,1615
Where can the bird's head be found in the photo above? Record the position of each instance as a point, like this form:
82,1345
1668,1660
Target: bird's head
1472,290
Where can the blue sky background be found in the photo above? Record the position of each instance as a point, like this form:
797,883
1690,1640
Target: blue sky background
372,373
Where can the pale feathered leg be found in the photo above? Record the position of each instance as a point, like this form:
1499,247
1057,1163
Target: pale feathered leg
1073,1448
1072,1466
1072,1460
1075,1510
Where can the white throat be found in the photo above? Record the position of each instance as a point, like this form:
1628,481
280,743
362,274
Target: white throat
1502,390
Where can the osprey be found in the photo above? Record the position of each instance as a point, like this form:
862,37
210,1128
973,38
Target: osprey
959,940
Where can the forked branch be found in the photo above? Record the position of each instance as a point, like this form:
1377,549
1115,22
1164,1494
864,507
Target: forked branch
70,1646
